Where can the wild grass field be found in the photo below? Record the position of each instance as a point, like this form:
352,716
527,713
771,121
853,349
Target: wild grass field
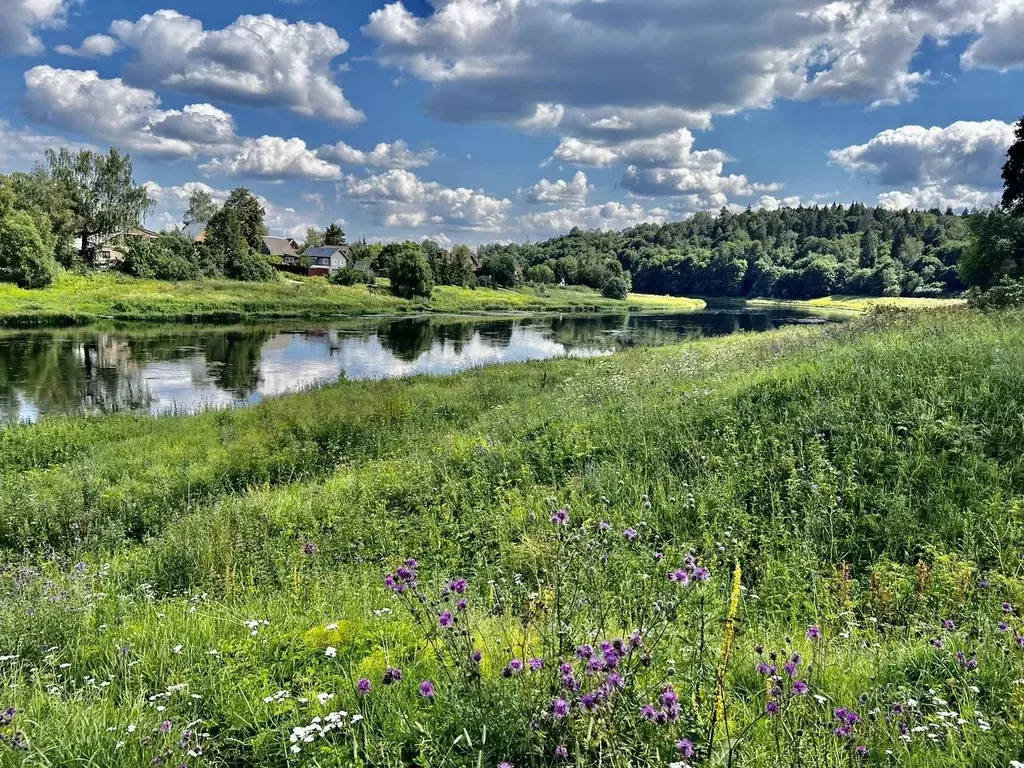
84,299
801,548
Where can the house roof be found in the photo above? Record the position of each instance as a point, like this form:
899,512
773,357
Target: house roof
194,230
278,246
326,251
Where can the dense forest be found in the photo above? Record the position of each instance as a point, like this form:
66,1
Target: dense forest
788,253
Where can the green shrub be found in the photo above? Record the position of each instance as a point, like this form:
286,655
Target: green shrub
410,273
24,260
616,288
349,276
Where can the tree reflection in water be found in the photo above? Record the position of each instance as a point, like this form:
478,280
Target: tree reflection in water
102,370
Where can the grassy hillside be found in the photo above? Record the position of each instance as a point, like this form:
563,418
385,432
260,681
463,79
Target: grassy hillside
796,545
79,300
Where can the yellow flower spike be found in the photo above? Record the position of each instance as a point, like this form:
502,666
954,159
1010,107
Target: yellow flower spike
728,636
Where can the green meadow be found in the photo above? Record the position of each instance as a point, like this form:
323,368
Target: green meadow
85,299
799,548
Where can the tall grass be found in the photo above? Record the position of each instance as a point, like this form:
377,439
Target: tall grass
224,573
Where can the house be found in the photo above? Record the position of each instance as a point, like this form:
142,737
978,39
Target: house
280,247
327,260
196,231
109,251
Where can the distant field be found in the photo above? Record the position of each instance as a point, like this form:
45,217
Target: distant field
860,303
79,300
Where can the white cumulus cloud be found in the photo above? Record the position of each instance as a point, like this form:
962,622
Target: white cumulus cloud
957,165
573,192
93,47
609,216
394,155
20,19
274,158
255,60
399,198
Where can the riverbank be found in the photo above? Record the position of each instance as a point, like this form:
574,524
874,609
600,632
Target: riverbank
87,299
856,303
784,533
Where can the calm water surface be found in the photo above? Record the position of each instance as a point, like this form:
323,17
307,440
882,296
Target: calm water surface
189,368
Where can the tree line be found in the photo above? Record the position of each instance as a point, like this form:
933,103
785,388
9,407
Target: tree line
55,216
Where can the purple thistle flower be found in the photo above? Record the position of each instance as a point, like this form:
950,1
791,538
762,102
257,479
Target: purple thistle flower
594,666
476,657
364,686
165,726
462,605
585,651
771,708
427,689
765,669
630,534
515,665
505,764
445,619
392,675
700,573
561,751
565,668
636,640
310,548
536,664
789,668
616,680
861,751
588,701
570,683
948,625
559,709
685,748
1007,608
1003,626
604,526
647,712
680,576
799,687
669,696
457,585
936,642
1019,640
561,517
813,632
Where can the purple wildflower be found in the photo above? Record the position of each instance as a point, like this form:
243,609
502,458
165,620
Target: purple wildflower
765,669
445,619
457,585
364,686
948,625
565,668
1019,640
700,573
861,751
588,701
630,534
476,657
685,748
536,665
585,651
561,517
799,687
680,576
427,689
647,712
310,548
559,709
616,680
1003,626
392,675
813,632
604,526
165,726
1007,608
771,708
562,751
505,764
462,605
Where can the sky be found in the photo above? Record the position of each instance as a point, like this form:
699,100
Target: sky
514,120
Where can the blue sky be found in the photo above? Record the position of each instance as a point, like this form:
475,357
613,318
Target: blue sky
482,120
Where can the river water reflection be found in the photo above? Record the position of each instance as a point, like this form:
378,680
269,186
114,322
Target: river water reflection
188,368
